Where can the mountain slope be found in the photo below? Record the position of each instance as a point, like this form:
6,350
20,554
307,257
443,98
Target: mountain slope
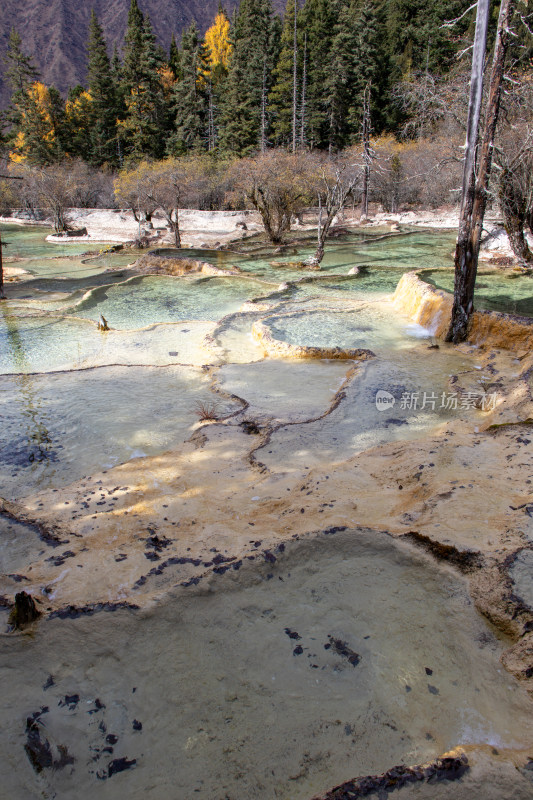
54,32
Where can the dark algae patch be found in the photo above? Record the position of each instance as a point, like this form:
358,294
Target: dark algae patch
342,649
116,766
442,769
38,748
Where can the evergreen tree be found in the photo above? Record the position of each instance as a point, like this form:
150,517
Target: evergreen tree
281,94
219,48
36,141
174,58
190,97
20,74
145,123
79,122
417,38
133,48
354,65
256,41
102,90
319,21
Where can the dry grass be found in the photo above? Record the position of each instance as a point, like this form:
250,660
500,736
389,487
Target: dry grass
206,411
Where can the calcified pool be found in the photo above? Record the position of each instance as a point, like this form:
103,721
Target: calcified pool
272,675
506,291
167,331
349,653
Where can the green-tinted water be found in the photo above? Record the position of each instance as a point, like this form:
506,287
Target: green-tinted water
49,325
510,292
143,301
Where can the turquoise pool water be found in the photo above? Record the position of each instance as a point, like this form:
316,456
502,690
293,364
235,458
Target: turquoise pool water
167,332
510,292
142,301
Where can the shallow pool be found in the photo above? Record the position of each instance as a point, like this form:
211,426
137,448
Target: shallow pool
142,301
350,653
509,292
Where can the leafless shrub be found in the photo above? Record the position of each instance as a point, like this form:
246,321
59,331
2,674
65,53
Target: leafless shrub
205,411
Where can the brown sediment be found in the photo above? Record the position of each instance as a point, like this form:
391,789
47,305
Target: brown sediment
154,264
465,560
446,768
50,534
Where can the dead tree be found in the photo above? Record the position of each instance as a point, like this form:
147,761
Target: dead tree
295,79
367,153
304,89
476,176
335,182
262,137
516,212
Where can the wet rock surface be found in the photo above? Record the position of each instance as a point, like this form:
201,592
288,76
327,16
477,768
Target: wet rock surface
329,667
220,514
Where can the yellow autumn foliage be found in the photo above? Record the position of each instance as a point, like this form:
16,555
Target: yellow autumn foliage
168,79
38,104
217,42
78,111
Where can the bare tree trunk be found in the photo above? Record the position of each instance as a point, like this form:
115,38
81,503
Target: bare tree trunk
211,121
2,293
474,199
519,245
366,152
295,80
263,110
514,211
176,228
304,88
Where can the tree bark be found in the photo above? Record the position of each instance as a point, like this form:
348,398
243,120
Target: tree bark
176,229
475,187
514,211
295,80
263,110
366,153
304,88
2,293
519,244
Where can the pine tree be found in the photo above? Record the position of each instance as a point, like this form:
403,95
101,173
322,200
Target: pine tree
102,90
133,48
256,41
145,123
36,141
79,122
416,35
174,58
281,95
190,97
354,66
319,18
218,48
20,74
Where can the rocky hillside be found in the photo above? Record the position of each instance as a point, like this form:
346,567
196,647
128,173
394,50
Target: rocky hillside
54,32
